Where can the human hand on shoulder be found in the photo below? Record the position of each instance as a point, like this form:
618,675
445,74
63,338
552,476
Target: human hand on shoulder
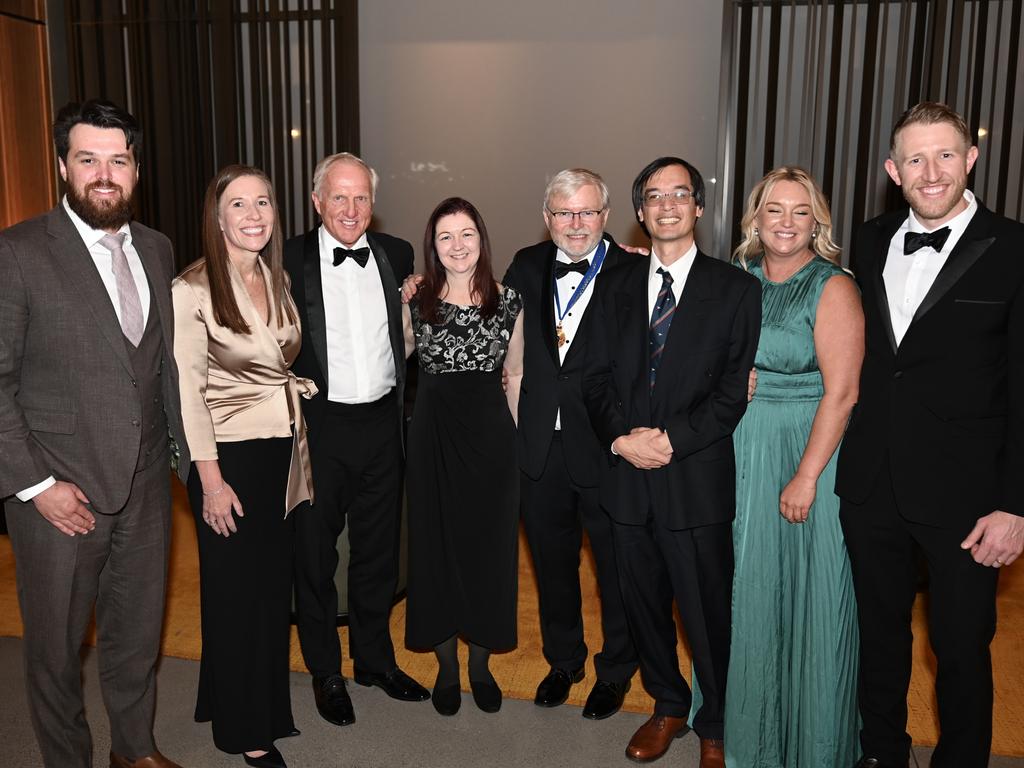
63,506
410,286
996,539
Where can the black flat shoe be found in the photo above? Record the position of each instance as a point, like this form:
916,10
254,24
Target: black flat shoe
272,759
554,689
332,700
605,699
486,695
395,684
447,700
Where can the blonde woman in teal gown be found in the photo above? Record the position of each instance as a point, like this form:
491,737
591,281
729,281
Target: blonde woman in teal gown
791,693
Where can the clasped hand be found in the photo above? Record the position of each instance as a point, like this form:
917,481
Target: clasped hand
217,509
644,447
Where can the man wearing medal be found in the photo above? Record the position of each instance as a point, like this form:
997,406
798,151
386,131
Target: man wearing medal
559,454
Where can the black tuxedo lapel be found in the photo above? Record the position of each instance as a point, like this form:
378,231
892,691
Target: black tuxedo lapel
612,257
391,302
83,279
686,323
547,303
881,247
316,321
969,248
631,316
159,298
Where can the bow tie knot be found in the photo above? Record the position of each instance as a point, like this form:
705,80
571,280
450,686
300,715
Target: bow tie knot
359,255
914,241
562,268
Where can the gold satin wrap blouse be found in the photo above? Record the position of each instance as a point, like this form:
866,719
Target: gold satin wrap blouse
238,387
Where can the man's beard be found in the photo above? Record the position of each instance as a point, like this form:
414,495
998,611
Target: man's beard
107,215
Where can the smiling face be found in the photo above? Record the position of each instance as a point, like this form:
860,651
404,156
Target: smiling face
931,162
246,216
345,202
785,221
101,173
670,220
575,235
457,242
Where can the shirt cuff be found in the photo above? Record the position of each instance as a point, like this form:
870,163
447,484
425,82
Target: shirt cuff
30,493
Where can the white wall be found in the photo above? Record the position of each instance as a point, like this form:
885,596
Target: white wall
486,100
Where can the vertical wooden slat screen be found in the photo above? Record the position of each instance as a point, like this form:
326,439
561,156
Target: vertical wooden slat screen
860,64
271,83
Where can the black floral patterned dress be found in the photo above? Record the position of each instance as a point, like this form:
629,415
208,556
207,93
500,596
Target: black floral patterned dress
463,481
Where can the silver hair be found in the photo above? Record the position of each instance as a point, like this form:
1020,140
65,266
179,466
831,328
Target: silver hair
568,182
320,172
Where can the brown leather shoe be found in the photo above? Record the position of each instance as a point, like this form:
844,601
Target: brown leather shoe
654,737
712,753
156,760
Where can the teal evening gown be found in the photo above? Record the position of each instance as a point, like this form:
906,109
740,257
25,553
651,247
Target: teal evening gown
791,696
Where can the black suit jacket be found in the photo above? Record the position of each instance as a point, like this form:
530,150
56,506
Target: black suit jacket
700,395
946,408
547,383
394,259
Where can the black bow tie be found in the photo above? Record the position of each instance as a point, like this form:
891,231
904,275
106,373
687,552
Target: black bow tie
361,255
912,241
562,269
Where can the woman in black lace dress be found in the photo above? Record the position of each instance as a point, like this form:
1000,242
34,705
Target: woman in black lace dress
462,476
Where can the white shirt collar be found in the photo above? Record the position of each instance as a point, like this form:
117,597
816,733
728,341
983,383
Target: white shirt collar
679,269
89,235
328,243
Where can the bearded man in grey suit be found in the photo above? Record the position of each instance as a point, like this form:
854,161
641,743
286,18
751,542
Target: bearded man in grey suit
88,394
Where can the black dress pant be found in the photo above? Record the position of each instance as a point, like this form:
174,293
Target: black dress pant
883,548
694,566
357,480
555,512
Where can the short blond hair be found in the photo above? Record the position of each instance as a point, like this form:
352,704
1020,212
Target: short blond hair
930,113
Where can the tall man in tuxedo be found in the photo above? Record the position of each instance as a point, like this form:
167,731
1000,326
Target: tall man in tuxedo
932,458
88,392
345,284
559,454
671,341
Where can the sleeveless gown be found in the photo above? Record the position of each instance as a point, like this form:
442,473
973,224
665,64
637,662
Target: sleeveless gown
791,695
463,481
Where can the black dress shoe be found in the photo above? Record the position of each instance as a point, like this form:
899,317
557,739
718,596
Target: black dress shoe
447,700
554,689
272,759
332,700
874,762
395,684
605,699
486,695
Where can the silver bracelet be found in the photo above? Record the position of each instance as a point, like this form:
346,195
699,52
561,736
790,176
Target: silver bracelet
214,493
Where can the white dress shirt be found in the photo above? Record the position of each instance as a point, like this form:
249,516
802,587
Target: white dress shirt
908,277
103,260
360,360
679,269
566,287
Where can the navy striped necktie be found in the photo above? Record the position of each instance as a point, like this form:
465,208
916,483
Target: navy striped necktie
661,321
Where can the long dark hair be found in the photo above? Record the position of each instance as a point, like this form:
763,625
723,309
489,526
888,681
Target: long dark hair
482,287
225,308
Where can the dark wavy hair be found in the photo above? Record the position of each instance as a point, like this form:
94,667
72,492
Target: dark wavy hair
225,307
483,289
98,113
652,168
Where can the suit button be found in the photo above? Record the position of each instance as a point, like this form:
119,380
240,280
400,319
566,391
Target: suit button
135,383
135,422
898,375
563,377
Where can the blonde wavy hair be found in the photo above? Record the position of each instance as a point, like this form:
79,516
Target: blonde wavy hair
821,241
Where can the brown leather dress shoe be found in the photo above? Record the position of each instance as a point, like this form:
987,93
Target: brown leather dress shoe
654,737
712,753
156,760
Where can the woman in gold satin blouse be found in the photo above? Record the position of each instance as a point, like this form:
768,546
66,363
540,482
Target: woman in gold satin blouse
236,336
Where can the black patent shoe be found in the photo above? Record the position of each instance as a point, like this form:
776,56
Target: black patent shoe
395,684
486,695
605,699
554,689
332,700
447,700
273,759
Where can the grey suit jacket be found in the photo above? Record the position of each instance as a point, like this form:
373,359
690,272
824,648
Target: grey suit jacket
68,398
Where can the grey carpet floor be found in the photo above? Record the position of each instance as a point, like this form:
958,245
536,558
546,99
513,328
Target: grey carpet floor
387,734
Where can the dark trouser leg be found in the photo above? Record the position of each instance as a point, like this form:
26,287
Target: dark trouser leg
647,595
962,623
700,565
882,559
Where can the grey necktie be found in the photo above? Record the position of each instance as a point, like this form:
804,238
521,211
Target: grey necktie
127,291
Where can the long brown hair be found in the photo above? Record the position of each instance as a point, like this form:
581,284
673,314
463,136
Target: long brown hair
482,287
225,308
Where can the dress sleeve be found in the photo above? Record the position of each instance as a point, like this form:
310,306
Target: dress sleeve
513,306
191,353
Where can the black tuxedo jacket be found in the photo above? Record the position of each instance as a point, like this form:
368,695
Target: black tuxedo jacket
700,395
548,384
394,259
946,408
